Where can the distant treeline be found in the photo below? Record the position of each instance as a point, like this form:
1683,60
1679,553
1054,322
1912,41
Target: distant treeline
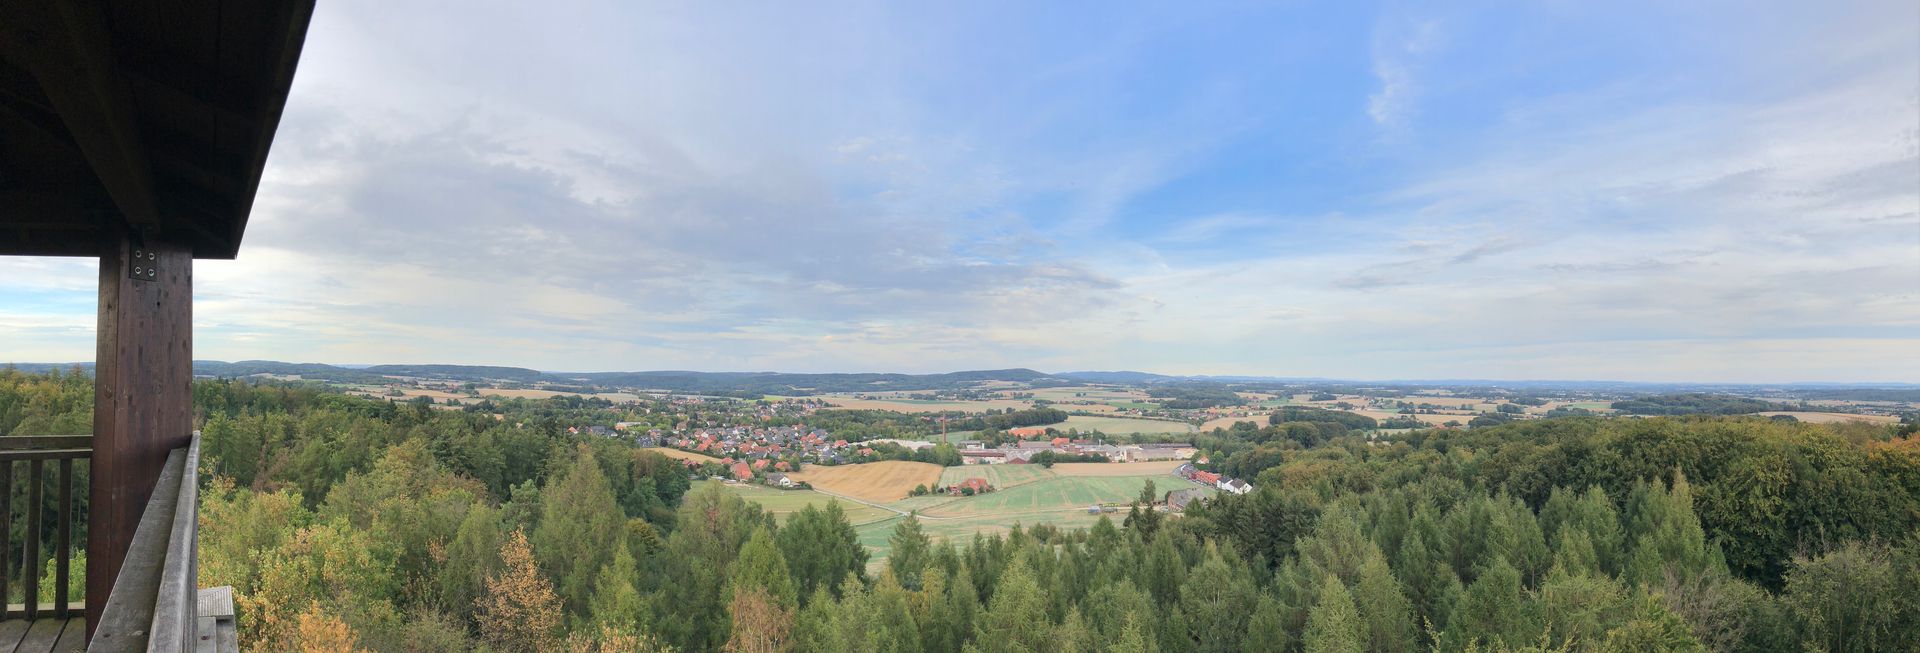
1311,414
1008,420
1693,403
1188,397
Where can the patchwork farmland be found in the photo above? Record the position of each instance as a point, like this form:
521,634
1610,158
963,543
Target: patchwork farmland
877,482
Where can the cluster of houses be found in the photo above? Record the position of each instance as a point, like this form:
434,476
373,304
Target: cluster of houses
762,444
1222,483
973,452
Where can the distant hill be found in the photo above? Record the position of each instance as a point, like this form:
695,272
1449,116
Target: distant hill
1119,377
669,380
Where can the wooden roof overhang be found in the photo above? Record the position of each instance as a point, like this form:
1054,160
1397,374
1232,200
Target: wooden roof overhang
139,119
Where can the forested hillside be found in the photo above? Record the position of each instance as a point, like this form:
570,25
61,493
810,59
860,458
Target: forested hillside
355,524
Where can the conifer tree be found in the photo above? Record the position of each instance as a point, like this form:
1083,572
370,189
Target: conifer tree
578,520
1334,626
1494,610
520,611
616,602
1387,613
1213,606
1267,627
1013,621
760,566
1431,585
909,552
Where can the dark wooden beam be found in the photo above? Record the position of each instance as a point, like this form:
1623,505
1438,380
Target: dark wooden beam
67,46
294,15
143,395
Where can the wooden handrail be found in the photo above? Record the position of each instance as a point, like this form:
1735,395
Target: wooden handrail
35,451
152,605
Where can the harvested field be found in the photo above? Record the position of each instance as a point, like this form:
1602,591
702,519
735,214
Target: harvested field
682,455
1149,468
879,482
1830,418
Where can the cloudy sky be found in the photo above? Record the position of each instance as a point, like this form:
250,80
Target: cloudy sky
1669,191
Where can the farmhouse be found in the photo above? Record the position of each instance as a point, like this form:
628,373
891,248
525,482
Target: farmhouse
1235,486
982,457
976,484
1178,499
781,480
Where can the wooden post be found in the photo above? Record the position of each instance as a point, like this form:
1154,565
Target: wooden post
143,395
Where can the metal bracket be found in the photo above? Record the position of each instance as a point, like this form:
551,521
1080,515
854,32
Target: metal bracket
144,266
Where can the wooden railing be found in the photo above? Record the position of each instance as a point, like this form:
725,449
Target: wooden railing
156,604
34,452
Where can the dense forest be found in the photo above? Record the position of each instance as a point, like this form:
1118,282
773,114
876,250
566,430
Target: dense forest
356,524
1694,403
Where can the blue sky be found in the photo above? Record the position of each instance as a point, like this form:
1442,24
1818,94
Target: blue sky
1637,191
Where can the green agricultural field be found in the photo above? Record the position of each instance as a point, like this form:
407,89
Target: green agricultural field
1134,405
1056,494
1000,476
954,437
1122,425
782,503
875,535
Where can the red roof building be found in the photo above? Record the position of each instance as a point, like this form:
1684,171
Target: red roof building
740,471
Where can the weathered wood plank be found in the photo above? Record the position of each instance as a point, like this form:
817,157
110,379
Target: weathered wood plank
126,618
142,396
6,526
30,558
84,442
11,632
42,636
73,638
44,454
63,545
206,630
178,595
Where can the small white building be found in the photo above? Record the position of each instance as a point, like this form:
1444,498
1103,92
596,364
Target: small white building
781,480
1234,485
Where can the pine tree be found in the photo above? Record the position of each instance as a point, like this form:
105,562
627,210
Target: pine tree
1667,537
909,552
1072,636
1142,517
1165,571
520,611
1431,585
761,567
616,602
821,548
1334,626
578,520
1267,628
471,558
1014,618
1213,606
1387,613
1494,610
